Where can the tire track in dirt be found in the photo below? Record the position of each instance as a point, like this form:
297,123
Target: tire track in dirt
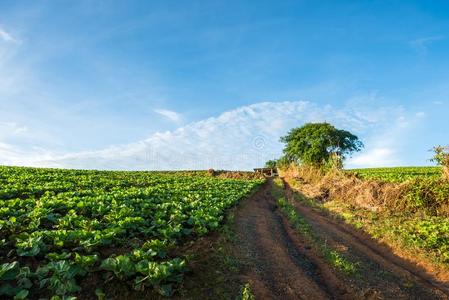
273,257
405,280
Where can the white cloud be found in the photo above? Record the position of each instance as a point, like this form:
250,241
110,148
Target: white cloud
7,37
12,128
422,44
12,155
376,157
420,114
169,114
384,148
242,138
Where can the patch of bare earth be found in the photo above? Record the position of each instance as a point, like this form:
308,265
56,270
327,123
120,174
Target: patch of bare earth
276,262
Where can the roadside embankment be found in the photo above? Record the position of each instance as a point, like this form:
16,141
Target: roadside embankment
409,217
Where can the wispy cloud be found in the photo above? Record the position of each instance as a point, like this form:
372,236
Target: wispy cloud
421,114
421,44
7,37
242,138
16,156
169,114
12,128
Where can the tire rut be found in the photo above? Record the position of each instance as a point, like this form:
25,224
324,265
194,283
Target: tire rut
274,259
404,281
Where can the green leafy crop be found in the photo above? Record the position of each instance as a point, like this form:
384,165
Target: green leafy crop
59,226
398,174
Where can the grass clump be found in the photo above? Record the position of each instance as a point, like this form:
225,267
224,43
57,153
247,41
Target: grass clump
340,262
246,293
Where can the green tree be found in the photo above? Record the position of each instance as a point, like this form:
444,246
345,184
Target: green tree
271,164
441,157
320,144
283,162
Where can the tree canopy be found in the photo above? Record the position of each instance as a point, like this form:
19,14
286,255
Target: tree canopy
271,164
319,143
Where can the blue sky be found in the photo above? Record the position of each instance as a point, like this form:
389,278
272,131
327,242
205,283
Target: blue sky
129,84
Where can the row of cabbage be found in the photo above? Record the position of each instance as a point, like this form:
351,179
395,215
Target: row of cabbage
60,226
397,174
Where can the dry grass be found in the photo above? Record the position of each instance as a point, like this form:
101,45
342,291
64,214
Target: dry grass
446,172
367,194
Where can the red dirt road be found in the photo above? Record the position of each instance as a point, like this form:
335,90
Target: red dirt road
279,264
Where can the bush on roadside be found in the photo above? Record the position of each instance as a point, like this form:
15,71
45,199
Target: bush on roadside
430,194
431,233
441,157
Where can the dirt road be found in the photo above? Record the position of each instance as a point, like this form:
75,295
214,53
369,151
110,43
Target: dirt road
279,263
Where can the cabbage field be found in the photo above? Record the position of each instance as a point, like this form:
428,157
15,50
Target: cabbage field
59,227
397,174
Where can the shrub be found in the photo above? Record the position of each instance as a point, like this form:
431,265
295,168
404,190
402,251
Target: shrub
428,193
441,157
